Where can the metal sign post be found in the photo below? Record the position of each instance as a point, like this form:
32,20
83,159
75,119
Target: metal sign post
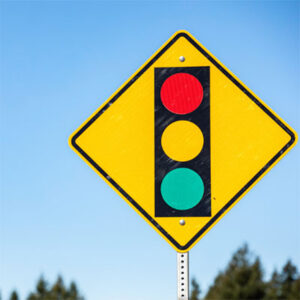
183,276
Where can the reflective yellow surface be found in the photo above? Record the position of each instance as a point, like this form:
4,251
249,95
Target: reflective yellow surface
182,140
121,141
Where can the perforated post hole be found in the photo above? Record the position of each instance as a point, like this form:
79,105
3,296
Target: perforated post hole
183,275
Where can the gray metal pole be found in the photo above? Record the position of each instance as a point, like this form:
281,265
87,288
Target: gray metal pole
183,276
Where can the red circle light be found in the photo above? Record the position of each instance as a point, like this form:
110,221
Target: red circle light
181,93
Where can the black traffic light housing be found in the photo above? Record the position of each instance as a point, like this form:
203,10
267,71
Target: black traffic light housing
201,164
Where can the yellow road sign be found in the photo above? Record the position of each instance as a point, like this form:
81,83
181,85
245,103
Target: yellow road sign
182,141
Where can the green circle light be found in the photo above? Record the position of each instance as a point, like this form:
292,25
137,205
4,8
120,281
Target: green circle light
182,189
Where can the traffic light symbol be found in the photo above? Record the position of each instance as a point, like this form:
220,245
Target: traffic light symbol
182,142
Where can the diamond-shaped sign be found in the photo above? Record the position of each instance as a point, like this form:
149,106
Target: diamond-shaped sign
182,141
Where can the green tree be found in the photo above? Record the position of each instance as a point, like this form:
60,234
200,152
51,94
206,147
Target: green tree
273,287
195,293
289,275
41,290
42,287
73,293
242,279
284,286
14,296
295,290
58,291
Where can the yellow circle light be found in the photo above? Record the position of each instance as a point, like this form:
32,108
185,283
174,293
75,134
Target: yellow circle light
182,140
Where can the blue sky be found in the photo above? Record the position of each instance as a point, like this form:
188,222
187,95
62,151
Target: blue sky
59,61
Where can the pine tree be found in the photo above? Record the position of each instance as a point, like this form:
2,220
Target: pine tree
58,291
41,290
42,287
14,296
73,292
195,293
242,279
284,285
289,275
295,290
273,287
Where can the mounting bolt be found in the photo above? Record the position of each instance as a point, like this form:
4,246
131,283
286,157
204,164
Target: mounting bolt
182,222
182,58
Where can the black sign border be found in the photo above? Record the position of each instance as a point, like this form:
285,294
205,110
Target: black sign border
236,197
